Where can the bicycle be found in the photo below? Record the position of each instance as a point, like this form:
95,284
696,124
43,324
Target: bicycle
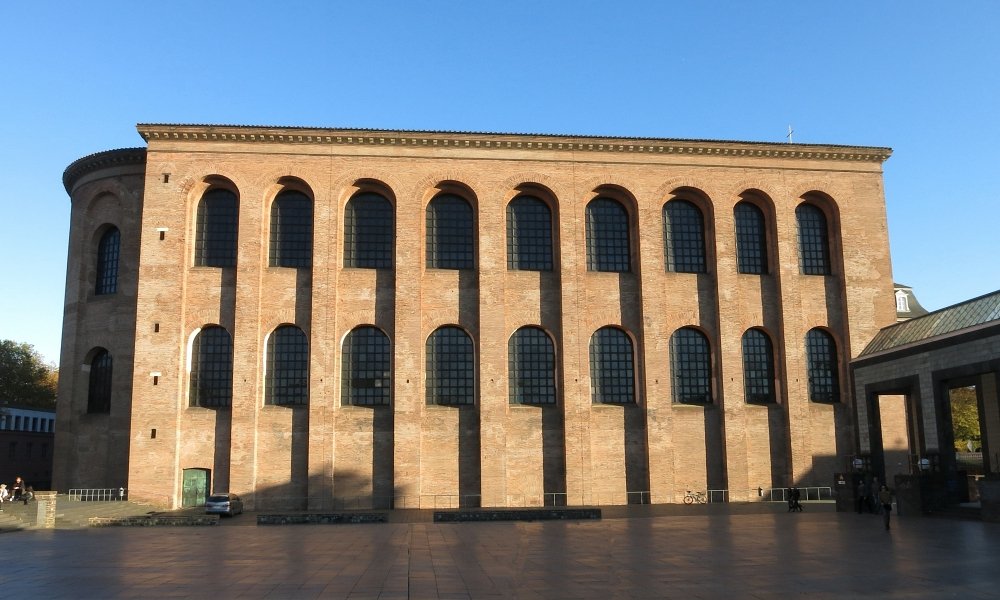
695,498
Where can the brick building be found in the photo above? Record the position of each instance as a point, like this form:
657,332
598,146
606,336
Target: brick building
320,318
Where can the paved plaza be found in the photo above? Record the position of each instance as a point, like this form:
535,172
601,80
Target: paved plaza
819,554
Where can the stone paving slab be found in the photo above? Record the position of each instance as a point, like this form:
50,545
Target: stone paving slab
765,555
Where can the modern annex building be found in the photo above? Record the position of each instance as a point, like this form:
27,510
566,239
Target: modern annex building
325,318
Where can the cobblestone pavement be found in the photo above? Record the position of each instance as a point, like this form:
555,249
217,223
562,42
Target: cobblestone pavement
774,555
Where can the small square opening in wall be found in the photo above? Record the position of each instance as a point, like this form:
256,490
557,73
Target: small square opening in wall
156,328
152,434
163,232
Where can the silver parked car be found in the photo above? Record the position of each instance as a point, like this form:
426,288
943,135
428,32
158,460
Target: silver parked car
223,504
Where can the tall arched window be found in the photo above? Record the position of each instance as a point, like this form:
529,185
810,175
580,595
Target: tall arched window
108,251
99,384
758,367
751,239
824,379
287,380
691,366
532,367
608,241
684,237
450,240
814,240
366,370
612,371
369,226
291,243
211,369
216,229
451,374
529,235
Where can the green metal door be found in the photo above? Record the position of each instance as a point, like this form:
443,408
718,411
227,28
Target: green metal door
195,489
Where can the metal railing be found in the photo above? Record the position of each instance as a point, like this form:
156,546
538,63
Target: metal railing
808,494
98,494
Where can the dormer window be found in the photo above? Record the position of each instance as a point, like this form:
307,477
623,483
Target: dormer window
902,301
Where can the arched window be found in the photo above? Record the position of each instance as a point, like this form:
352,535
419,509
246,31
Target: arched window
529,235
532,367
450,242
691,366
758,367
751,239
451,375
608,242
99,386
824,379
684,237
814,240
366,370
287,380
369,226
108,251
216,229
291,243
612,371
211,369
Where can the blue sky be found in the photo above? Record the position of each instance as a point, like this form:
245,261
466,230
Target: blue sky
920,77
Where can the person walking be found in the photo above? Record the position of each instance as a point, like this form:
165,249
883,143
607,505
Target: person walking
885,500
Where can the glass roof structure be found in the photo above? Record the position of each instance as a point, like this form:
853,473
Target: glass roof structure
965,315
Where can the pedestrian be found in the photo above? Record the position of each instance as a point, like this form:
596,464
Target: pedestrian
17,490
796,496
885,499
862,496
4,495
874,488
791,499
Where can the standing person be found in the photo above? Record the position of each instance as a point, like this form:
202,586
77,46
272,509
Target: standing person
862,498
17,490
4,495
873,496
885,500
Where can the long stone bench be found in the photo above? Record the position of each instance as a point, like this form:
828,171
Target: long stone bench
520,514
154,521
320,518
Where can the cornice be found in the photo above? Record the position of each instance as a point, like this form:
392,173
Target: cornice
101,160
257,135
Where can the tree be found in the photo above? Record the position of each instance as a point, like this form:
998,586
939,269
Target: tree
25,379
965,417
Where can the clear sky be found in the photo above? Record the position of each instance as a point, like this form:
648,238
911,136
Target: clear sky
920,77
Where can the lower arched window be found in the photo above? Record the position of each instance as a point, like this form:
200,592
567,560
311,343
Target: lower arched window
451,374
824,378
366,371
211,369
612,370
691,366
287,379
532,366
758,367
99,384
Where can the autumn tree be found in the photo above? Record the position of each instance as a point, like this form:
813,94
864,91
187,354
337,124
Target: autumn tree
965,417
25,378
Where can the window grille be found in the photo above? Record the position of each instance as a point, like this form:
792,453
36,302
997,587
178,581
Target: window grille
751,239
291,243
212,369
824,379
366,369
814,245
450,367
108,251
691,364
99,385
608,242
532,366
216,231
612,372
369,229
287,381
450,242
529,235
684,237
758,367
